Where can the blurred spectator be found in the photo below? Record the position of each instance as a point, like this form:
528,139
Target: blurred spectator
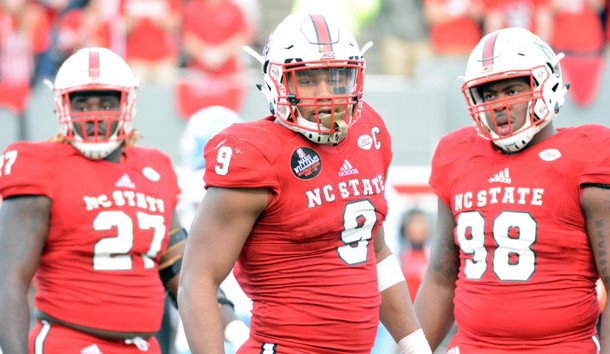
152,31
48,61
354,13
402,34
607,22
577,26
534,15
90,26
253,12
455,25
578,33
24,32
213,33
415,232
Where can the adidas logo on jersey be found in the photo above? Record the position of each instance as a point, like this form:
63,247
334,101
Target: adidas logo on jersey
347,169
502,177
92,349
125,182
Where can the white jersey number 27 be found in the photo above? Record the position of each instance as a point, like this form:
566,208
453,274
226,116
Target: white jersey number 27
114,252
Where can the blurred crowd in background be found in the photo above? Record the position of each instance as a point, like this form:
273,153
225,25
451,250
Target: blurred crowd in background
195,45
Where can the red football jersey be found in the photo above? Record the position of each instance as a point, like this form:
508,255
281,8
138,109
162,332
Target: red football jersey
309,264
527,274
109,224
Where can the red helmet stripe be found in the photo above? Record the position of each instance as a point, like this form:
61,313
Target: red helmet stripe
321,27
94,64
488,49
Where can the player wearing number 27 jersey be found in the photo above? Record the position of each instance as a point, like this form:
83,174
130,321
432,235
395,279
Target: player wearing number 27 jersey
523,217
109,224
91,218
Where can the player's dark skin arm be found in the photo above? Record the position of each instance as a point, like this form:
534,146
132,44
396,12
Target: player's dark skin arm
434,300
595,203
23,232
396,310
222,225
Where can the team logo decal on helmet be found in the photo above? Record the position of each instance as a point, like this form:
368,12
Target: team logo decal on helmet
305,163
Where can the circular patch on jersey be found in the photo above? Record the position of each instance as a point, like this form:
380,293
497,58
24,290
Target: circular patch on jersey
305,163
151,174
549,154
365,142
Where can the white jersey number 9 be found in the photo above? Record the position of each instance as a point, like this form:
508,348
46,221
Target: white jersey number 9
223,159
359,218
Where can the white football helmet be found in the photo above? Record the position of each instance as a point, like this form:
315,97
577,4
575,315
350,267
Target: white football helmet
511,53
303,43
201,127
95,69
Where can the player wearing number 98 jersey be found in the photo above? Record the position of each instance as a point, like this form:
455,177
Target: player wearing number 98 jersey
297,199
523,221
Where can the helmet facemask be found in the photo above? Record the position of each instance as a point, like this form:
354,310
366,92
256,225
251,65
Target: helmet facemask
319,99
493,118
320,48
94,94
95,132
511,53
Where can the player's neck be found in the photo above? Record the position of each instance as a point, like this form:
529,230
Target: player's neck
546,132
116,155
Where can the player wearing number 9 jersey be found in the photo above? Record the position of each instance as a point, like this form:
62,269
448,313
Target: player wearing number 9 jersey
93,217
297,199
523,222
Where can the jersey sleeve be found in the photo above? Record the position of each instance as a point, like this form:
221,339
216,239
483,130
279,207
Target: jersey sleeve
24,170
439,167
174,189
233,162
597,159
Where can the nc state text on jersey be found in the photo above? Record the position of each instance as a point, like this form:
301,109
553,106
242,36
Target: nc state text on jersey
502,195
121,198
350,188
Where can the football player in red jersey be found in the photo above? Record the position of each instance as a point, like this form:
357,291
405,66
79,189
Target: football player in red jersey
523,227
297,199
93,217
